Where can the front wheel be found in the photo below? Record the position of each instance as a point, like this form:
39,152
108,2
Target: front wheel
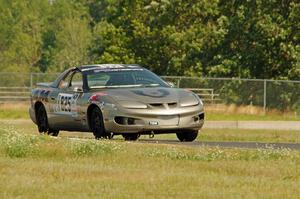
187,136
97,125
131,136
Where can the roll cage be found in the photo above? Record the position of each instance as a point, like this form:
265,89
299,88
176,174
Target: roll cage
71,72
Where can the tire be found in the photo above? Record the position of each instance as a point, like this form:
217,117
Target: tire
187,136
131,136
52,132
97,125
42,120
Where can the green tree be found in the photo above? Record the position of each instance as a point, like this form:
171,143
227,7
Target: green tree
67,36
262,40
110,45
221,38
72,43
20,32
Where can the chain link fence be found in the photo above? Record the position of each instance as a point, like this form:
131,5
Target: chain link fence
17,86
278,95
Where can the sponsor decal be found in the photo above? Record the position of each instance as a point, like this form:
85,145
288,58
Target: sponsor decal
96,96
104,66
112,67
117,69
151,93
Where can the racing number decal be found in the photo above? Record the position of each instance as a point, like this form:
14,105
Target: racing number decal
67,103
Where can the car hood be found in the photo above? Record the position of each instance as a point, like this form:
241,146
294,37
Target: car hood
137,97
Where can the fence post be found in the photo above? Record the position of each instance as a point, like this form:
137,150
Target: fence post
212,96
265,95
178,82
31,81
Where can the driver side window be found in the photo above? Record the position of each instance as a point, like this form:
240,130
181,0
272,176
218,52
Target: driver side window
65,82
76,81
71,81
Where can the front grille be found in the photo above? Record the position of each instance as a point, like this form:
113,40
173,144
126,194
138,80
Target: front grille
163,105
157,105
172,105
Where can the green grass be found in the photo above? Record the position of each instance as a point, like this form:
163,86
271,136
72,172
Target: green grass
33,166
241,135
43,167
14,114
213,116
14,111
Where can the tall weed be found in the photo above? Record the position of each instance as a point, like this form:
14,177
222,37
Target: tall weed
212,154
17,145
93,147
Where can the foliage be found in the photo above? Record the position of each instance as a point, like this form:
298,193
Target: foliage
251,39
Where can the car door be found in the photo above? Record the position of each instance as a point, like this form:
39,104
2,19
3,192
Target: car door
64,111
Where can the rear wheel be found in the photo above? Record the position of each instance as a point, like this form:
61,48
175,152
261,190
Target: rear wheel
131,136
42,120
187,136
97,125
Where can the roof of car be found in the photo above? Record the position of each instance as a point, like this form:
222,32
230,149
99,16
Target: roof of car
105,67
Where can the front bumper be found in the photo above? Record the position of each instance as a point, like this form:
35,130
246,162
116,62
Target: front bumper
153,120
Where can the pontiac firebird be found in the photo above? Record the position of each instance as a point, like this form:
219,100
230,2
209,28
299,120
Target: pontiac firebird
115,99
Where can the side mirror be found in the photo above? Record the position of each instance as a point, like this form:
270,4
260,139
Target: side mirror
171,84
78,90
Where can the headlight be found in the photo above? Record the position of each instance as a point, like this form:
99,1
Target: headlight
185,104
190,100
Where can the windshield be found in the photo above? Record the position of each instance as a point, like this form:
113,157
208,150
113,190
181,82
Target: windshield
124,79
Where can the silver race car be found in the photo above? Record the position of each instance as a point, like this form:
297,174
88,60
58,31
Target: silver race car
113,99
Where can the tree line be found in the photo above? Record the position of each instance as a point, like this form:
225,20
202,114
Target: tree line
215,38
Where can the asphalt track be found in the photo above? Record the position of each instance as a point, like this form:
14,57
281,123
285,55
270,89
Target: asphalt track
246,145
249,145
227,144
